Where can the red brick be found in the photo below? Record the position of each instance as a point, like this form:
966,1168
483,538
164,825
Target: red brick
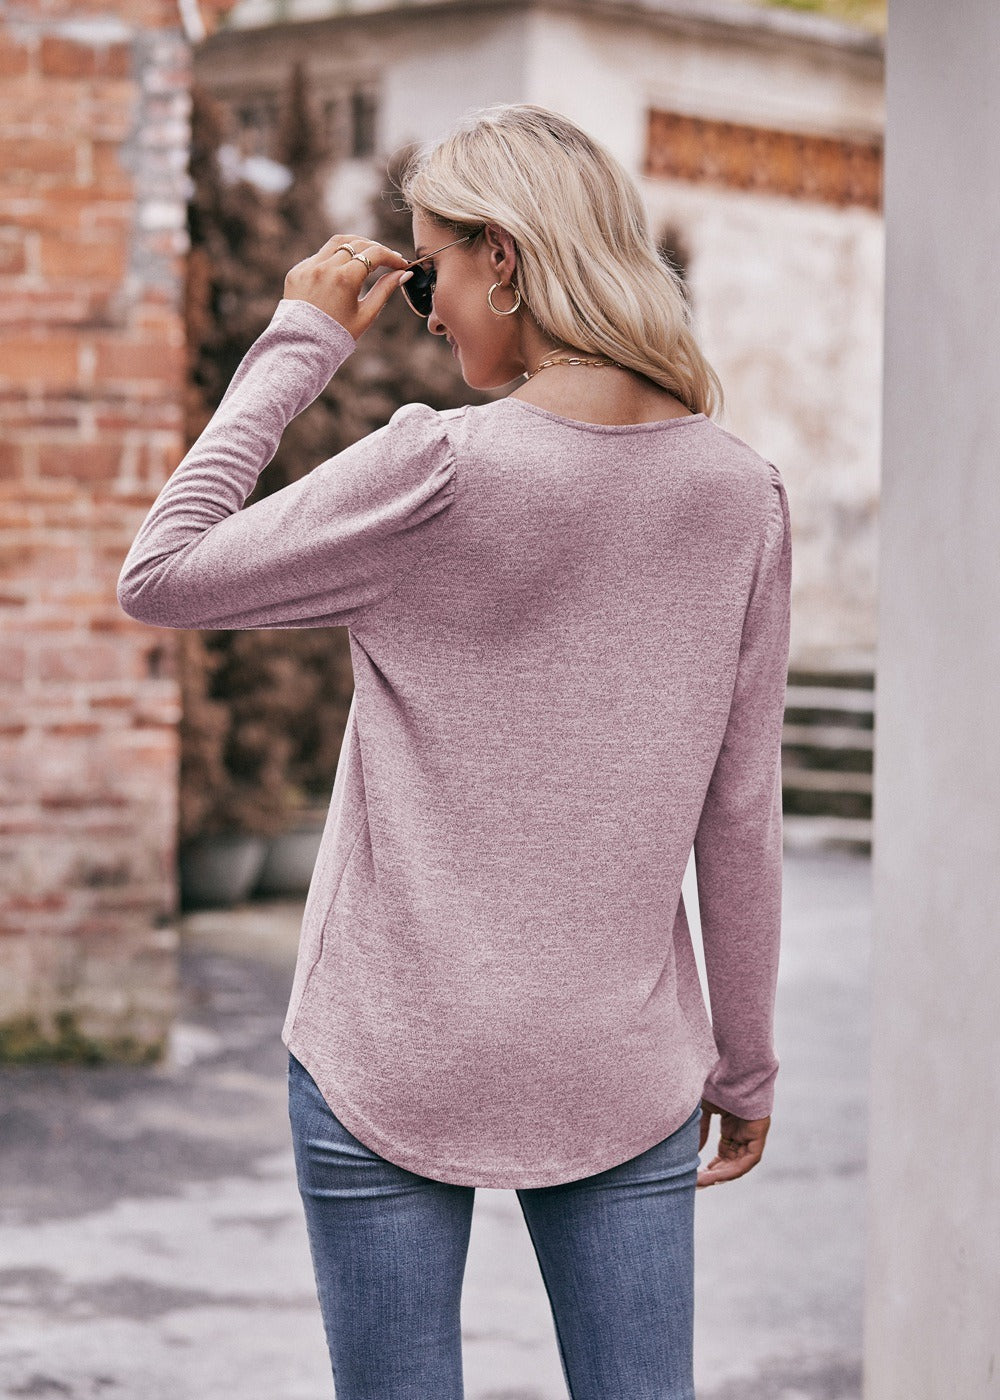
164,416
24,309
113,90
110,177
58,516
44,623
151,14
83,601
12,663
37,903
49,412
16,559
106,258
87,660
54,9
11,464
52,360
50,211
31,156
111,109
160,320
65,58
121,359
91,461
110,219
14,58
12,256
116,60
68,58
25,103
45,565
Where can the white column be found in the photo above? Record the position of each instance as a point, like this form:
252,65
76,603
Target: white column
932,1308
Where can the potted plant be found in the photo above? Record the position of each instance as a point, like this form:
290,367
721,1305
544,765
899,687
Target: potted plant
264,713
221,842
291,853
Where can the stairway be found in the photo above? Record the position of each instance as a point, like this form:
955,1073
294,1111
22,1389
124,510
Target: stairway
827,758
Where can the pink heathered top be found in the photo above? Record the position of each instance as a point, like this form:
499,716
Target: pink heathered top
570,648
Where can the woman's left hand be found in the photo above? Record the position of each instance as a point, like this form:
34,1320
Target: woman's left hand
332,280
741,1144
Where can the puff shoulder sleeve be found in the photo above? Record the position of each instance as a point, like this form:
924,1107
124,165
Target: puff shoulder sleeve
320,552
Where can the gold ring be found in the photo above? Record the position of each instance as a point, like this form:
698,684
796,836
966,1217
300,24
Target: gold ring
341,246
362,258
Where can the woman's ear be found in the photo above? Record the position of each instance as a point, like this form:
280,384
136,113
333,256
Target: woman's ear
502,249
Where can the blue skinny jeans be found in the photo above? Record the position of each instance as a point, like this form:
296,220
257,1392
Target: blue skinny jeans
616,1253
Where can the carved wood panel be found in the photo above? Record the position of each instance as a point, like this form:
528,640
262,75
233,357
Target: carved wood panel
834,170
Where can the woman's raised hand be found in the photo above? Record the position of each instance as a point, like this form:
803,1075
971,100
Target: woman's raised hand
741,1144
332,280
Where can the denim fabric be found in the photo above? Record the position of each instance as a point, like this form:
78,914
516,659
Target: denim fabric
616,1253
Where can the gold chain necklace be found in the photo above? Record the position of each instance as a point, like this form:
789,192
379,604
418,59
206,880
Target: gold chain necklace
573,360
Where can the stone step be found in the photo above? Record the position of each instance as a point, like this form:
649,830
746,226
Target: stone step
827,736
829,719
830,697
803,833
796,778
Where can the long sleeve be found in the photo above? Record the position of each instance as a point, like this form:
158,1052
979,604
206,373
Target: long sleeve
738,844
318,553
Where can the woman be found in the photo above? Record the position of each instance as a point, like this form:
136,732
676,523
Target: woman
568,614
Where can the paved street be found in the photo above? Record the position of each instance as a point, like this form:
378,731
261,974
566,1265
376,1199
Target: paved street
151,1239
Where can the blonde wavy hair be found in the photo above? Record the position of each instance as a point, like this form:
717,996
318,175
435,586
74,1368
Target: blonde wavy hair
588,269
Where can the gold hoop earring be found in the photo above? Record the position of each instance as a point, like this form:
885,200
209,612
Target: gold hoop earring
496,310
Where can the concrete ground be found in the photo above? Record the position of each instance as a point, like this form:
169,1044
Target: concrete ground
151,1239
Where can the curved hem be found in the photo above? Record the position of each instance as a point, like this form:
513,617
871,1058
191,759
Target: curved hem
500,1180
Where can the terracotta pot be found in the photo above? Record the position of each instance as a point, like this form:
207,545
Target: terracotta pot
291,856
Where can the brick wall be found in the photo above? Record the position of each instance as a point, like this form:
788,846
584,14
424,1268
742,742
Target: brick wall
93,154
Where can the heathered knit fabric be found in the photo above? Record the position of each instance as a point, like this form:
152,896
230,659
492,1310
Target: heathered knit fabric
570,645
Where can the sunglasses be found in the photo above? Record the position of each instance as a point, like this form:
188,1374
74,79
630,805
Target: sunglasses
419,290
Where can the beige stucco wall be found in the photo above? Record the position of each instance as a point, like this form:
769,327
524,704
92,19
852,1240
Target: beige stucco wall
427,84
